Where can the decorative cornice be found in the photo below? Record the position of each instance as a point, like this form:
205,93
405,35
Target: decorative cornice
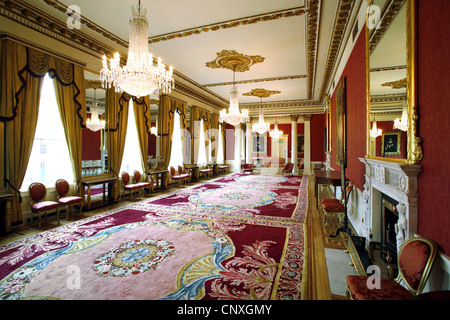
312,32
399,84
287,13
302,76
388,17
393,68
344,10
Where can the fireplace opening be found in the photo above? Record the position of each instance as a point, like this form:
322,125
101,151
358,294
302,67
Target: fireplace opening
389,219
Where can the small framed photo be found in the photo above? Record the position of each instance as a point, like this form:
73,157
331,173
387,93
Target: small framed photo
390,144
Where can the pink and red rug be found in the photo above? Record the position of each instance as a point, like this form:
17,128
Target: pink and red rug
238,237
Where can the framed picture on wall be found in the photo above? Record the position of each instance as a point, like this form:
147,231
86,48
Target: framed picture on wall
259,146
301,144
390,144
341,101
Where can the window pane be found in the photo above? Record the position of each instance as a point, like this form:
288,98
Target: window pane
132,153
176,155
49,159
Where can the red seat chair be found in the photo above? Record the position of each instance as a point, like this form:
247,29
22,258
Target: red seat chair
206,172
181,176
287,168
37,192
335,206
62,189
142,184
415,261
247,167
127,186
223,168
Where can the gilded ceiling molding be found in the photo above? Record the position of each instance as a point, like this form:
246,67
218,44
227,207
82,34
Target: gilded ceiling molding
301,76
279,104
344,10
388,17
261,93
232,60
399,84
312,35
287,13
393,68
31,17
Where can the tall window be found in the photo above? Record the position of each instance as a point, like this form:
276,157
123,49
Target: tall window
49,159
201,146
176,154
220,156
131,155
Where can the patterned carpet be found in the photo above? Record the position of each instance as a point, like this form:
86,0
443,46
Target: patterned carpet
236,237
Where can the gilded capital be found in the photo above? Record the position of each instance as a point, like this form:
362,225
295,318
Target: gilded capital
294,117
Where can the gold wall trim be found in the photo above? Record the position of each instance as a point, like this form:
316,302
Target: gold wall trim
293,12
300,76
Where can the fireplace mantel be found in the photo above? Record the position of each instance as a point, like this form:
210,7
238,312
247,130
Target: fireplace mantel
398,181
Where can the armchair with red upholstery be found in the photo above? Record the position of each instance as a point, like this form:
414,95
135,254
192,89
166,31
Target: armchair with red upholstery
288,168
143,184
335,206
127,186
37,192
247,167
415,261
181,176
62,189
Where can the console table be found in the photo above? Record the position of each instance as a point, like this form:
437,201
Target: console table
326,177
96,180
162,174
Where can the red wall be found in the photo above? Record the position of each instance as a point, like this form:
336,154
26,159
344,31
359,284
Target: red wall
355,74
434,120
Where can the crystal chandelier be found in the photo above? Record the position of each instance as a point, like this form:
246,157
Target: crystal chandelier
94,123
375,132
402,124
234,117
275,133
261,127
139,77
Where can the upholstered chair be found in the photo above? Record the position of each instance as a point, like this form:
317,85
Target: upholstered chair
62,189
206,171
247,167
143,184
185,174
37,192
287,168
127,186
415,261
176,177
335,206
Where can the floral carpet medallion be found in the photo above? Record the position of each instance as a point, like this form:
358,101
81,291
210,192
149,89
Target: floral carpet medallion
142,251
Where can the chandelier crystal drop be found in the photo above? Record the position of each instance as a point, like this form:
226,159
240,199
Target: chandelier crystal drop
140,77
275,133
234,116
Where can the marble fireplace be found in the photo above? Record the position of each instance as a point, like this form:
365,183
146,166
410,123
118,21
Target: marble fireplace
394,181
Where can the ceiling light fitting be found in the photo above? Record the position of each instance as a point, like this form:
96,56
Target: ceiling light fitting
234,116
275,133
140,77
94,123
402,124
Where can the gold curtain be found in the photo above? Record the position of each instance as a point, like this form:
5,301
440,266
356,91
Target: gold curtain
143,124
167,107
223,127
117,106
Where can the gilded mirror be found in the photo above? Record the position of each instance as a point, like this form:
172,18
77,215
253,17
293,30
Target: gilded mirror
95,150
391,102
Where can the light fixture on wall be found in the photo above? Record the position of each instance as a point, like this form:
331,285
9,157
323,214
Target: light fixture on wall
275,133
402,124
234,116
94,123
140,77
375,132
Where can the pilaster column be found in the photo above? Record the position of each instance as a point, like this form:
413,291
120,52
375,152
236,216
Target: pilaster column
248,137
307,149
237,148
294,160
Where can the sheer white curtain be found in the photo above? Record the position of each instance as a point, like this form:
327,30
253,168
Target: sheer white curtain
220,156
202,160
49,159
131,155
176,155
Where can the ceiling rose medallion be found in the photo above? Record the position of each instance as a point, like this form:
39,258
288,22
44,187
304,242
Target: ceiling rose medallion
232,60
